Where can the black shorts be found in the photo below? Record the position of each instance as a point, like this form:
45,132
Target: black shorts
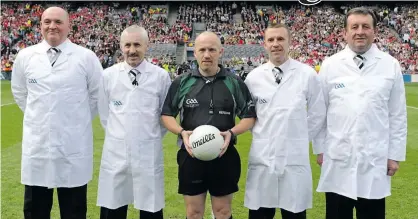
220,176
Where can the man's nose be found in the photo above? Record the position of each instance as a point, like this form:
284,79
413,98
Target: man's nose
206,54
132,50
52,25
360,30
276,43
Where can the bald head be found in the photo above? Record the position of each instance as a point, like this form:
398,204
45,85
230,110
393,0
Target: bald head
208,36
56,10
55,25
207,51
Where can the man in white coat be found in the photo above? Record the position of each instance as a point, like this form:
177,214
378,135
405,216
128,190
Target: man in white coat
55,83
130,101
365,134
290,112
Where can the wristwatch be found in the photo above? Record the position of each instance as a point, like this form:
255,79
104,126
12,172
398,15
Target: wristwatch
232,133
233,136
181,131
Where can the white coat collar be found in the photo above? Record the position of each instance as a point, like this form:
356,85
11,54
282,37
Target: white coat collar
65,47
286,66
141,67
124,73
371,57
372,53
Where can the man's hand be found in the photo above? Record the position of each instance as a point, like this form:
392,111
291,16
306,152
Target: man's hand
227,138
185,136
393,166
320,159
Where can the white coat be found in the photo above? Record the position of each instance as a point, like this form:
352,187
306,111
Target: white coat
289,114
366,124
132,165
59,104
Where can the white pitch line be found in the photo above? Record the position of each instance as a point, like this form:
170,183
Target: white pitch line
7,104
412,107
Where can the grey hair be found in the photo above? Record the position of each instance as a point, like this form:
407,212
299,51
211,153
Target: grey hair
136,29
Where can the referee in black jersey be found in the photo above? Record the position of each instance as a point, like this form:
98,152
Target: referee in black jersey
209,95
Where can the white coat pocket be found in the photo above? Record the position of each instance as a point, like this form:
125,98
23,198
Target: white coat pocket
341,149
148,155
37,82
73,145
148,117
298,152
117,106
260,152
341,91
377,148
74,97
378,90
114,156
34,140
73,107
148,103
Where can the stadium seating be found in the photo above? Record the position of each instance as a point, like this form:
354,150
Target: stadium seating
242,51
162,49
316,31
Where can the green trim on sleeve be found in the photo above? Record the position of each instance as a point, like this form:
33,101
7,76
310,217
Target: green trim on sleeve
186,83
239,101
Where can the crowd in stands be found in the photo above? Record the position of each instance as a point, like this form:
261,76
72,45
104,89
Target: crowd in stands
316,31
405,23
96,26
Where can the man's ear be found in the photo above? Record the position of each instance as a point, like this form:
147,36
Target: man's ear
344,32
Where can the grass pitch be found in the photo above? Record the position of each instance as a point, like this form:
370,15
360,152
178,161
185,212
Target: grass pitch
401,205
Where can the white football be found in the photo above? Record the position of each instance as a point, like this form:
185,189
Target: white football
206,142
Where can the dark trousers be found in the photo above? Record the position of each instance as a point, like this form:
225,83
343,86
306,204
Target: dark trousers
122,212
341,207
268,213
38,202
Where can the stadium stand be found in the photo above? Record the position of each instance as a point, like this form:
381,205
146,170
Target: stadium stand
316,31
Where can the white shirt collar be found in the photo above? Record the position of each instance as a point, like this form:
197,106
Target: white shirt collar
367,55
141,67
284,67
62,47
